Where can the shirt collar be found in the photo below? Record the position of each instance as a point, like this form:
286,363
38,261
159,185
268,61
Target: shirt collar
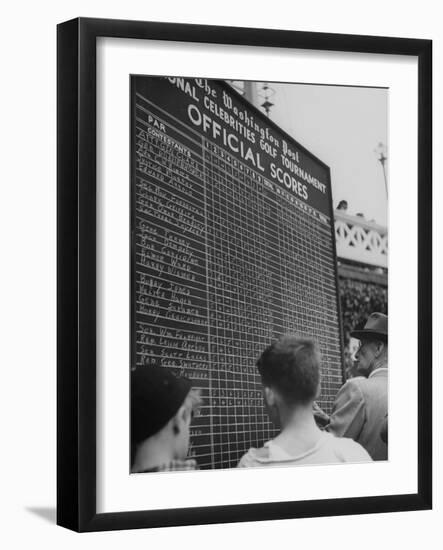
380,369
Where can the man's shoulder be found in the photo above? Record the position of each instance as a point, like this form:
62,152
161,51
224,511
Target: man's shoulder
356,382
253,457
376,382
365,384
353,387
348,450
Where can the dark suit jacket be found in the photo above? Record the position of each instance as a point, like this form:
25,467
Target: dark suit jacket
359,412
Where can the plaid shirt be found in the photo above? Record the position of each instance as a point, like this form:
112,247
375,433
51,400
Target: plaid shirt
174,466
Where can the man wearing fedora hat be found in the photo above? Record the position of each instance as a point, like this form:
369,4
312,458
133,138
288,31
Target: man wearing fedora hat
361,406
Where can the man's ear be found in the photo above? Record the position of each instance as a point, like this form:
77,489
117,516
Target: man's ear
179,420
380,347
269,396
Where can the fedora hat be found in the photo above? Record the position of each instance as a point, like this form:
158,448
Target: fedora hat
376,327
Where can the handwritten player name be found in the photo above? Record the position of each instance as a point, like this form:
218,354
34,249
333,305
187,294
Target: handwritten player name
164,342
179,364
150,285
147,188
153,141
171,333
161,268
164,294
181,166
144,164
167,174
169,245
154,151
170,206
183,261
175,181
178,312
163,214
163,139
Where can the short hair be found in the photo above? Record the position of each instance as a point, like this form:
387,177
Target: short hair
291,365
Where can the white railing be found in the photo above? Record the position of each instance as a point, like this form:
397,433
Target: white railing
360,240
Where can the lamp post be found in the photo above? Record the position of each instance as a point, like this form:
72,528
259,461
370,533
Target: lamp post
381,151
268,92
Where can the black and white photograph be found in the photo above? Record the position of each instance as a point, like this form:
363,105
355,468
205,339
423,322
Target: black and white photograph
259,274
215,216
243,223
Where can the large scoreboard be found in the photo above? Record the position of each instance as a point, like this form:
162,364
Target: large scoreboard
232,247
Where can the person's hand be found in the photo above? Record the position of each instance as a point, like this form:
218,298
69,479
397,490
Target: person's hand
321,418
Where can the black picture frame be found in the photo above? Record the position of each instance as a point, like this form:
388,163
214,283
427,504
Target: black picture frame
76,273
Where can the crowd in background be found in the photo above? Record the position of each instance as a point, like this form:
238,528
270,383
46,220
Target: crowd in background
358,300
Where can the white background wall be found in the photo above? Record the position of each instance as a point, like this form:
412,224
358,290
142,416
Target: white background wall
27,271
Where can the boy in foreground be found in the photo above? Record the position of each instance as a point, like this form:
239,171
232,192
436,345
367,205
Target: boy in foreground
290,374
161,412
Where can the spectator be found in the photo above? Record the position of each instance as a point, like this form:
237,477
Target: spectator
161,411
350,365
290,373
358,300
361,404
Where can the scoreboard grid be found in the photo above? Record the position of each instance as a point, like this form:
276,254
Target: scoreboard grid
225,259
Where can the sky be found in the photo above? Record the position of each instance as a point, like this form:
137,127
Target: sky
342,126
